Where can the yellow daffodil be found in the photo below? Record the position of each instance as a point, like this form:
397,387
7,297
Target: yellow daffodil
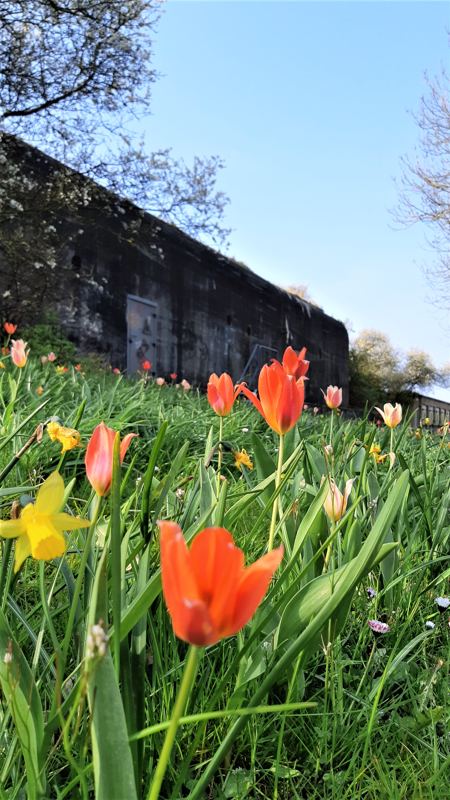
242,459
39,529
375,451
68,437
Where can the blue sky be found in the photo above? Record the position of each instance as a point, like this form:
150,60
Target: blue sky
309,104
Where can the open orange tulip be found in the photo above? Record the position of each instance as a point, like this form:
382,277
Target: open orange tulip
294,364
10,328
281,397
99,457
209,592
222,393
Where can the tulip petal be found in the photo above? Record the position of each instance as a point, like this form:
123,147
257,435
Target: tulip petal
290,404
380,412
98,459
178,580
252,397
214,398
253,586
270,384
50,496
125,443
217,565
194,624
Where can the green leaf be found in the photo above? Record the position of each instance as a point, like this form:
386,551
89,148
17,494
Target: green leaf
312,597
113,765
111,753
265,466
23,700
311,520
302,642
149,474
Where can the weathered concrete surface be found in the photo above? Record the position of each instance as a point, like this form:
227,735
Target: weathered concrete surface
211,311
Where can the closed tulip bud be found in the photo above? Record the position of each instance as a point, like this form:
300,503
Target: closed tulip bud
51,356
335,503
333,396
222,393
392,416
99,457
19,353
294,364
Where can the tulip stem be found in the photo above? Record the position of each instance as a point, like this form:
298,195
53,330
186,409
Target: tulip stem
187,680
276,501
391,448
219,454
331,427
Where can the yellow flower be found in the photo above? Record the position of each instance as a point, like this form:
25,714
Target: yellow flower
2,366
426,421
242,459
375,451
40,390
61,369
40,525
68,437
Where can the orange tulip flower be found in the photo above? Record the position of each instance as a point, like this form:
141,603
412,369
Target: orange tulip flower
10,328
99,457
209,592
281,397
146,365
294,364
333,396
222,393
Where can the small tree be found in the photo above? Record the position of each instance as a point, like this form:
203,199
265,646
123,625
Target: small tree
425,182
75,76
379,373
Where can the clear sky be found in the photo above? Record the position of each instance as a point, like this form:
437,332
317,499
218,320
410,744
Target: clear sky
309,104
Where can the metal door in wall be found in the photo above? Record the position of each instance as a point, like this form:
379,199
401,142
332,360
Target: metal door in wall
141,332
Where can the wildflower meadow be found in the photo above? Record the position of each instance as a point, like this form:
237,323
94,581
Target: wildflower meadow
218,592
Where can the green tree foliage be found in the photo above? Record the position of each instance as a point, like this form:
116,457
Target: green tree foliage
379,373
